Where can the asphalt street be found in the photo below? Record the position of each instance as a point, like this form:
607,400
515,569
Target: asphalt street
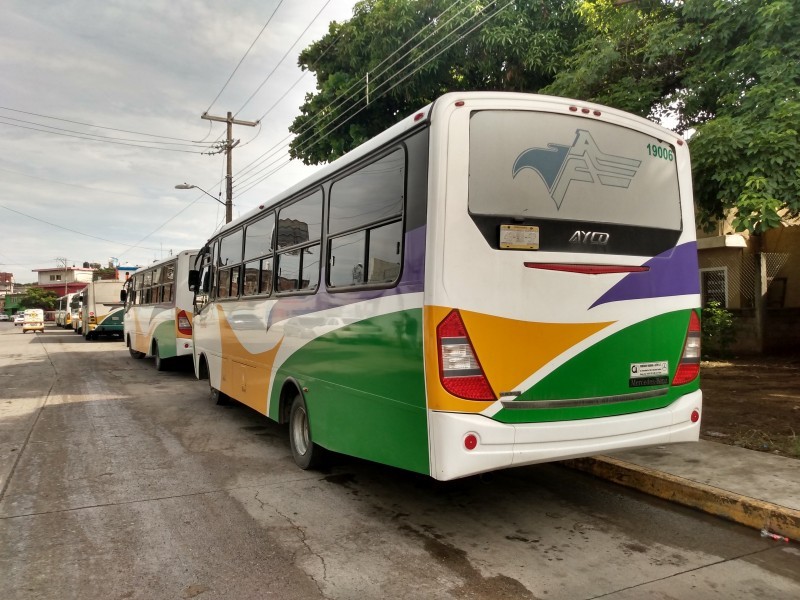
117,481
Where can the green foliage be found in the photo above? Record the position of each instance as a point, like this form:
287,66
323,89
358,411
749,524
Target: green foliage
38,298
108,273
719,329
725,72
499,45
743,97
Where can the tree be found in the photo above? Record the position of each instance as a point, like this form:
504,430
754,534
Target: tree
107,273
38,298
416,50
743,97
728,74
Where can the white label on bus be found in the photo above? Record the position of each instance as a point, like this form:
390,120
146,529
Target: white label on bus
519,237
649,369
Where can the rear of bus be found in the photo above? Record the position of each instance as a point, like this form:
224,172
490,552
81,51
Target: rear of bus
561,290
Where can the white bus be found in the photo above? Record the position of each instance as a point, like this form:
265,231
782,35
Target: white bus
101,310
158,310
75,312
63,313
497,280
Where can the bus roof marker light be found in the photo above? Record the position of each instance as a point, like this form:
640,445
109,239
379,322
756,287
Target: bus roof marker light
573,108
459,103
585,111
418,116
597,113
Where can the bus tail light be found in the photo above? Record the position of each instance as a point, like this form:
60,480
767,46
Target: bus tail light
689,367
184,326
460,370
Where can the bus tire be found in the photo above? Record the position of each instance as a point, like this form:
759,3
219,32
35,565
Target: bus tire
218,397
160,363
306,454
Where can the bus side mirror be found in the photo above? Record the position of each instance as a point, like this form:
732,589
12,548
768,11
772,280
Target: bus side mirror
194,280
123,296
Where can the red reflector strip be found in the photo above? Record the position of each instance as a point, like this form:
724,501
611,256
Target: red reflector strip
586,269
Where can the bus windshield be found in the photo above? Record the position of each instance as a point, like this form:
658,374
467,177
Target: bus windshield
539,165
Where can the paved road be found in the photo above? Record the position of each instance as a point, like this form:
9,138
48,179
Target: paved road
122,482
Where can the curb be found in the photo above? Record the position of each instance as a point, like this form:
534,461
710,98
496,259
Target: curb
741,509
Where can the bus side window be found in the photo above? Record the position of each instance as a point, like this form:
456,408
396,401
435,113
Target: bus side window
299,231
365,224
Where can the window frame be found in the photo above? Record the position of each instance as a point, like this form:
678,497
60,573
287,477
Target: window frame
703,294
299,247
369,226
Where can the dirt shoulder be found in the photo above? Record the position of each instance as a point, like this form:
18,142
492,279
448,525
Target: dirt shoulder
753,402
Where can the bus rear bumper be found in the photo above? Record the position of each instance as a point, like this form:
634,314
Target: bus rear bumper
502,445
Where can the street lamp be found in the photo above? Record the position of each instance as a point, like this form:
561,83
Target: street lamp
228,205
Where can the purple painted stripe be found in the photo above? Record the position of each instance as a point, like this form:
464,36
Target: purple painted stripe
411,280
673,273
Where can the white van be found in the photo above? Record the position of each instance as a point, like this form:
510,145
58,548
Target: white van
34,320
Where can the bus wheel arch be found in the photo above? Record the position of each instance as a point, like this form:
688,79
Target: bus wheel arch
133,352
306,453
202,369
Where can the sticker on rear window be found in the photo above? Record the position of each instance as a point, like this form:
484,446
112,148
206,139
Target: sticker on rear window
649,373
519,237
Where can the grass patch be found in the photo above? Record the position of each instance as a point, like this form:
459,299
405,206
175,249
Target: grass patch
755,439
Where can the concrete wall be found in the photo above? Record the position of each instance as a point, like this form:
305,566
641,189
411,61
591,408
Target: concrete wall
782,334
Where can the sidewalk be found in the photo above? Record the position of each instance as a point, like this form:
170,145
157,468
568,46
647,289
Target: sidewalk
753,488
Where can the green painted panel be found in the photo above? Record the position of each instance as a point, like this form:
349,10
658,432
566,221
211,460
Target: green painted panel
366,390
112,322
164,335
604,370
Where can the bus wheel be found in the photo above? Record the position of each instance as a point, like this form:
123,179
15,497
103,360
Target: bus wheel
217,397
160,363
306,454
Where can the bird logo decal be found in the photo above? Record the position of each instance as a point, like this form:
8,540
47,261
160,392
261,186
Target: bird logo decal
560,165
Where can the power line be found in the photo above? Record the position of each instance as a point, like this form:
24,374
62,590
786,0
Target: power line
97,135
64,228
332,126
344,98
85,187
241,60
258,89
99,140
96,126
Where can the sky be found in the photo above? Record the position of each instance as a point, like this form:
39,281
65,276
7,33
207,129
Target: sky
131,71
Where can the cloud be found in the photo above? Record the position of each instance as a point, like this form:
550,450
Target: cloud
150,67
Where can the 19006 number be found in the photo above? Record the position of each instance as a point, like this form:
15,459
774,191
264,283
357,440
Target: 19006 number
660,152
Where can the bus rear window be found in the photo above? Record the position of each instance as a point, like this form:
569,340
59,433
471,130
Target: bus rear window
536,165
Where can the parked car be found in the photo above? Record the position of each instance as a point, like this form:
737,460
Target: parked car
19,319
4,317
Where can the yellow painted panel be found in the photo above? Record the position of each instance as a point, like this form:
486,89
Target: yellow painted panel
509,350
245,376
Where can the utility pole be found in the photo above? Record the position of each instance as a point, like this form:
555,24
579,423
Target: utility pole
229,145
63,261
